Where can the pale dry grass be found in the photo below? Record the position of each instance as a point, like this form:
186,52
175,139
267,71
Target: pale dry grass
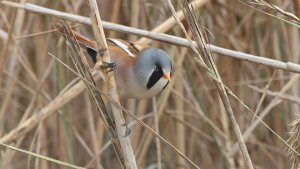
45,110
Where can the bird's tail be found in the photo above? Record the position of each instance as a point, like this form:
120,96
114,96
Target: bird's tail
80,38
88,44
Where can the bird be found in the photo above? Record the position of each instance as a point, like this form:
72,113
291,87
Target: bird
140,71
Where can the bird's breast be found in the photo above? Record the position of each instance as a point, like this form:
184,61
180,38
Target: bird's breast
126,78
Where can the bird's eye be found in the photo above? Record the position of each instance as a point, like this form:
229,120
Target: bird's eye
155,68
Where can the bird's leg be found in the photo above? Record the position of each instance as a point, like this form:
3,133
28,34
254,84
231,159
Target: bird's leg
109,66
128,130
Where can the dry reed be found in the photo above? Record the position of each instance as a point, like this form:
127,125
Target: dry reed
46,114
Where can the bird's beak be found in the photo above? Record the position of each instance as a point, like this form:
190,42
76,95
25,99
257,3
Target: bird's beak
167,76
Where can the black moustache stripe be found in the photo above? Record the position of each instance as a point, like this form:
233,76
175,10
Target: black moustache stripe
154,78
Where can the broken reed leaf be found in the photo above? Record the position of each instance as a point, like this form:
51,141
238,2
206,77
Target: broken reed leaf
82,67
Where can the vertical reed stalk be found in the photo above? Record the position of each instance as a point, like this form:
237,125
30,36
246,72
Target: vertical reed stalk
121,130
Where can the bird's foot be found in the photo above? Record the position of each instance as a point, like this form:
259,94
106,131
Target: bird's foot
109,66
128,130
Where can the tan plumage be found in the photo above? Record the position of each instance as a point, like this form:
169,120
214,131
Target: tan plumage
141,71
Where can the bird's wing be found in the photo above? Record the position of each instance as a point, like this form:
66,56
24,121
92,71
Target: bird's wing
130,48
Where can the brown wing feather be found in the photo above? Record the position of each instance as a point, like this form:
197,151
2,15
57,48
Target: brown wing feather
130,46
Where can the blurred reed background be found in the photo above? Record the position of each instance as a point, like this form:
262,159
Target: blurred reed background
190,113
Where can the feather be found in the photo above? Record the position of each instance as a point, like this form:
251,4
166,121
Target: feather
122,46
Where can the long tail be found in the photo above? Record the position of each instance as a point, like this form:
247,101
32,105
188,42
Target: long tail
89,45
81,39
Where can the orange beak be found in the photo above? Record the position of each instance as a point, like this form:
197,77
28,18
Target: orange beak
167,76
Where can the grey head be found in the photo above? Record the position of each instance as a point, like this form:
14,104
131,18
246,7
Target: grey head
153,65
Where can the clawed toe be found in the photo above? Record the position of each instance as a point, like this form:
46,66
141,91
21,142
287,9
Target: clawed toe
128,130
109,66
